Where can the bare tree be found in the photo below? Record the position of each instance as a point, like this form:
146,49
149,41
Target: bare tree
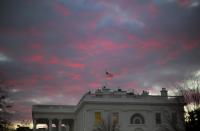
106,125
189,89
5,104
26,123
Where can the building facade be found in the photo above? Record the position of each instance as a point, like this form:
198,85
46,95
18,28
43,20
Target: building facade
108,110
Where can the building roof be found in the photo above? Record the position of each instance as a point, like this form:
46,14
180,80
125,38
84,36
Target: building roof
107,96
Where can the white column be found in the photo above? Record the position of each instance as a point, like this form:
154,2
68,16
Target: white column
59,124
75,124
50,124
34,124
67,127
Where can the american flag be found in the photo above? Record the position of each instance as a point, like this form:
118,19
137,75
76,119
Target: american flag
109,75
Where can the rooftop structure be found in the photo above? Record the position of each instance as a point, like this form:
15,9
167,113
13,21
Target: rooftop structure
96,110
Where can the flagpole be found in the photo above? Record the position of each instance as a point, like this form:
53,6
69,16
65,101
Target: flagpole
108,76
105,79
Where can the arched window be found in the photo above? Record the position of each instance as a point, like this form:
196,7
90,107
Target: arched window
137,119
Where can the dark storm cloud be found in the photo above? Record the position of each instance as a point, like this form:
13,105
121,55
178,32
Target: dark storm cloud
21,14
176,20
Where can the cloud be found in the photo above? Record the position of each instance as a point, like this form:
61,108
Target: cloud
61,9
4,58
54,51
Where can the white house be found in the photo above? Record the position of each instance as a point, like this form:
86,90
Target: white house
107,110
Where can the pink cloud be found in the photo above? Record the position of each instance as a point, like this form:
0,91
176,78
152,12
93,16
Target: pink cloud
23,83
34,31
144,47
37,58
53,60
94,85
30,81
75,90
100,46
61,9
169,56
136,10
184,3
50,90
47,77
93,20
132,85
72,64
122,72
36,46
151,44
152,10
74,76
190,45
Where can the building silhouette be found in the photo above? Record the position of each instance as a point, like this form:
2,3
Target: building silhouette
119,110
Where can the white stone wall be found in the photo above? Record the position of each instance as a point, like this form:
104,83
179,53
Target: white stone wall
86,116
108,102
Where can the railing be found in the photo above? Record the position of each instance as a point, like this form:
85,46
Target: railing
113,95
92,97
54,108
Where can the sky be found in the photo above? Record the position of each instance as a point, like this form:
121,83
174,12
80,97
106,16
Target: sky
54,51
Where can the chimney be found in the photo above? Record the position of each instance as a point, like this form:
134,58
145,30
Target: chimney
164,92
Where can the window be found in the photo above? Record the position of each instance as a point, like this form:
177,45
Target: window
174,118
115,118
137,119
97,117
158,118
